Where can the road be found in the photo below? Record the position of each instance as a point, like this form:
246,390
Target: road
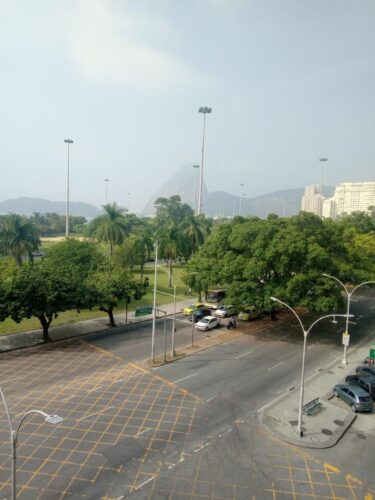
189,429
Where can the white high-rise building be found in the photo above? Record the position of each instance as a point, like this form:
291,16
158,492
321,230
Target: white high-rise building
350,197
312,200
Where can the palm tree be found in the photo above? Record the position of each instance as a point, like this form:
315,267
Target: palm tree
111,227
195,229
170,242
18,237
143,245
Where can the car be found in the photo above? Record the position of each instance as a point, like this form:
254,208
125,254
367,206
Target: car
225,311
367,382
248,313
188,311
198,314
355,396
207,323
365,370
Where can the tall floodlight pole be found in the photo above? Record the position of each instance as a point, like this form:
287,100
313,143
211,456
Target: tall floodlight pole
154,304
195,167
322,160
305,334
203,110
68,142
240,207
106,190
346,337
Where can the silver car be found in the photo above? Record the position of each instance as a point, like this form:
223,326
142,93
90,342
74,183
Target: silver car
365,370
207,323
225,311
355,396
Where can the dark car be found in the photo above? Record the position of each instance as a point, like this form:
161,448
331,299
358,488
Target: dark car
365,370
367,382
199,314
355,396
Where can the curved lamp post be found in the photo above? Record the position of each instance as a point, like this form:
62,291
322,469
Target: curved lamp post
305,334
51,419
349,296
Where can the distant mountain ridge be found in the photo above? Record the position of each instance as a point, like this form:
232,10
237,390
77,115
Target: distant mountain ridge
286,202
27,206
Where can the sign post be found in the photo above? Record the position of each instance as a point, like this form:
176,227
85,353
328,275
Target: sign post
143,310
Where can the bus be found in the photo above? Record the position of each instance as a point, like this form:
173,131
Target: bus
215,298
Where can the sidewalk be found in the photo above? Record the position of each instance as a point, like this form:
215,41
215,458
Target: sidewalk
325,428
71,330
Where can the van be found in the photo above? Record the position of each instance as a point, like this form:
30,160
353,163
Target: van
367,382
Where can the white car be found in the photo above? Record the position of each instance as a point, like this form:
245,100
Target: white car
225,311
207,323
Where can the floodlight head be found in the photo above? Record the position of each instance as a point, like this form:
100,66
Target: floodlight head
273,298
334,321
196,166
68,141
205,109
106,180
53,419
323,159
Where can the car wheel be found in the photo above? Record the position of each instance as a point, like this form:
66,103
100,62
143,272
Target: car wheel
354,408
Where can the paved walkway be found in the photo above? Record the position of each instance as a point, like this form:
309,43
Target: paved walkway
280,417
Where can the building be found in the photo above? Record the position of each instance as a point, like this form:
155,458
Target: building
312,200
350,197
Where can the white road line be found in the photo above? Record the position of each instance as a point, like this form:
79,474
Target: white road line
226,432
244,354
273,401
274,366
210,399
201,447
142,432
95,389
96,413
313,345
145,482
185,378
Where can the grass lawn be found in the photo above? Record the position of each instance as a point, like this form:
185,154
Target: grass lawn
9,326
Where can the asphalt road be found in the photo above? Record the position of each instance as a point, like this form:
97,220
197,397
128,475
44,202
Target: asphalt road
189,429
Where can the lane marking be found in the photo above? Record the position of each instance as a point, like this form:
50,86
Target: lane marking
145,482
96,413
313,345
244,354
274,366
201,447
185,378
95,389
226,432
211,398
142,432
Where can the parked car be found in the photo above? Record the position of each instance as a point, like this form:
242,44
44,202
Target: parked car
355,396
198,314
207,323
248,313
225,311
365,370
188,311
367,382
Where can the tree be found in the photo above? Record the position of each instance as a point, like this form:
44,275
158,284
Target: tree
196,228
18,237
143,245
109,285
43,291
111,227
170,240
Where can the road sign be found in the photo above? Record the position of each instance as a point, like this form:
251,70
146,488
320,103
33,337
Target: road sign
143,310
372,352
345,339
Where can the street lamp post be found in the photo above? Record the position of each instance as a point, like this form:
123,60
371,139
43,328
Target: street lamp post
154,305
52,419
204,110
322,160
106,190
174,311
349,296
68,142
195,189
305,334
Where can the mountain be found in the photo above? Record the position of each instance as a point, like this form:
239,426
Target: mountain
222,204
27,206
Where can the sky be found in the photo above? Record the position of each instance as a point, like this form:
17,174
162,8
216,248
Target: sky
289,82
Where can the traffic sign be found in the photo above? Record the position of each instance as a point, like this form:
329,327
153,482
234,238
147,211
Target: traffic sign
143,310
345,338
372,352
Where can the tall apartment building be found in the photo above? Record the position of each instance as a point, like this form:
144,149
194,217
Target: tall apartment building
350,197
312,200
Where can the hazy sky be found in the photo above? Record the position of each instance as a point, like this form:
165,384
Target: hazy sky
289,81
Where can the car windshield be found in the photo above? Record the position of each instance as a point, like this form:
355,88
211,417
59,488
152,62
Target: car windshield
204,320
